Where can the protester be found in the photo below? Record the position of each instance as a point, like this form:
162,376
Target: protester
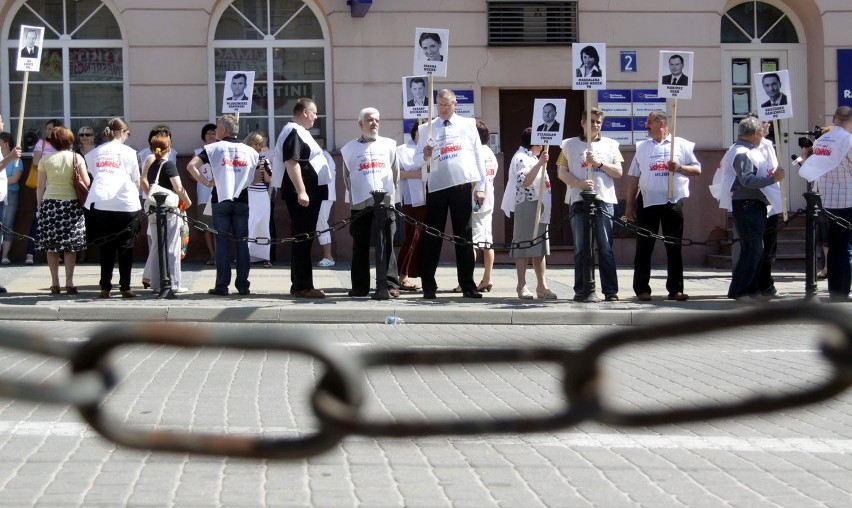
521,197
234,167
482,216
42,148
259,209
370,164
202,194
455,152
327,260
573,165
648,202
114,204
9,156
413,200
13,171
162,171
85,144
302,173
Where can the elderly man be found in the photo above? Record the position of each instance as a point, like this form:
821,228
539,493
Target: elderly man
831,163
301,170
754,173
456,159
648,202
234,168
370,164
605,161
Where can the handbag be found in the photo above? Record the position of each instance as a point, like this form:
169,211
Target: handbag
32,178
80,186
155,188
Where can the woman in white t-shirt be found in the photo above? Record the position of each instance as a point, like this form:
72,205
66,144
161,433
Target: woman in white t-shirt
114,203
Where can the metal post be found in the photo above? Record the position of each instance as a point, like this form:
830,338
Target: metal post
379,241
162,230
812,210
590,209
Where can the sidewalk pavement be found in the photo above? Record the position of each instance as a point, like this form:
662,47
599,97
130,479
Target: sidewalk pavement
29,298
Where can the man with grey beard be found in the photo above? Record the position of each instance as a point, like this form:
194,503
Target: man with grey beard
370,164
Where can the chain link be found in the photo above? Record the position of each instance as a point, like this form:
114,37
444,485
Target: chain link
338,398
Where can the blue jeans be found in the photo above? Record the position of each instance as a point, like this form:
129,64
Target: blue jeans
602,231
231,217
750,223
10,212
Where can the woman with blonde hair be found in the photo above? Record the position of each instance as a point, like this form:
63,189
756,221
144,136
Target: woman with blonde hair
114,203
61,228
160,170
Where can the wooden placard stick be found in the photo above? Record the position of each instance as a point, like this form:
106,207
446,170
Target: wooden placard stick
20,133
672,147
541,176
588,129
783,180
425,174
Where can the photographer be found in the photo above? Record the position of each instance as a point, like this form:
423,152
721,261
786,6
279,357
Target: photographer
831,165
806,146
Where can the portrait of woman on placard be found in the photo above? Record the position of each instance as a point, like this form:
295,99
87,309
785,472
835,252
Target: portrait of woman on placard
590,68
430,43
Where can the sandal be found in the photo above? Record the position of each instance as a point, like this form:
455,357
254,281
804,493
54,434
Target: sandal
267,264
54,290
524,294
408,286
71,290
482,287
457,289
546,294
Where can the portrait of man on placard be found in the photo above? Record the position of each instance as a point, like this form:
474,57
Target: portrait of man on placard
546,123
431,47
417,92
238,91
675,74
29,48
772,90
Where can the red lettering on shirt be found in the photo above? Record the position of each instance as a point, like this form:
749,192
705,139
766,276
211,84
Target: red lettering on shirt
451,148
108,164
822,150
234,163
371,165
659,166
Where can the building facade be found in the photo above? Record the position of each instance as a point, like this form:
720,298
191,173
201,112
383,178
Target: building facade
161,61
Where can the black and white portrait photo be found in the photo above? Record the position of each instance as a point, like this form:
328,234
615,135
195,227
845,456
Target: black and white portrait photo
548,115
237,92
30,48
676,74
772,91
431,47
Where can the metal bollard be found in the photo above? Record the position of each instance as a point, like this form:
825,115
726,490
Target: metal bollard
162,255
590,209
379,241
812,210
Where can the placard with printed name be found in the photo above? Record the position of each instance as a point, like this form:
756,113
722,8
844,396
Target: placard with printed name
772,90
30,47
236,95
676,74
589,66
548,119
431,50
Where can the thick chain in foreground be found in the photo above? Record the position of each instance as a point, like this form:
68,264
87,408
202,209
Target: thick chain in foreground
339,397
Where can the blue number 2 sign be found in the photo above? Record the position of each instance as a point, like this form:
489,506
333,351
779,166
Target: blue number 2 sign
628,61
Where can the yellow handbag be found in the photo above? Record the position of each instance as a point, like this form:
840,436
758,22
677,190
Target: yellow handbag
32,177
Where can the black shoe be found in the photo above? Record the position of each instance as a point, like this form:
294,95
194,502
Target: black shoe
472,293
3,290
358,293
429,294
611,297
244,292
217,292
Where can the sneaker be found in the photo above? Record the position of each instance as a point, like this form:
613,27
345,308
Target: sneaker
325,263
6,261
180,289
29,259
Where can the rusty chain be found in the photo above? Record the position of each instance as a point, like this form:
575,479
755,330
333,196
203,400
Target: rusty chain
338,398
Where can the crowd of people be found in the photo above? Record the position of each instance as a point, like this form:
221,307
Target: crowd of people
445,169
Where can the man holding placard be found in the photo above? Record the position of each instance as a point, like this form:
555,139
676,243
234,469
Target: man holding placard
649,205
831,163
573,164
456,163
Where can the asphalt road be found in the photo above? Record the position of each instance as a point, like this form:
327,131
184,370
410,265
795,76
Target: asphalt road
794,458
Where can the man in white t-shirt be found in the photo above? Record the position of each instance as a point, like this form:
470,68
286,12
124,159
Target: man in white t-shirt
648,202
370,164
573,165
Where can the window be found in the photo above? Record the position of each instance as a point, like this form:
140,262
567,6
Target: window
757,22
81,79
532,23
284,44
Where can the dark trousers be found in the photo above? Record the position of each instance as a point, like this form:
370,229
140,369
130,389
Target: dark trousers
839,256
765,284
456,200
361,231
107,223
231,217
750,223
670,217
303,220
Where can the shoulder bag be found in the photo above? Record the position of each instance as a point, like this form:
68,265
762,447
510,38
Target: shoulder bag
155,188
80,186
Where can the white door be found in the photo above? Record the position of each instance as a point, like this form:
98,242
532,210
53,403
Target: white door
740,65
